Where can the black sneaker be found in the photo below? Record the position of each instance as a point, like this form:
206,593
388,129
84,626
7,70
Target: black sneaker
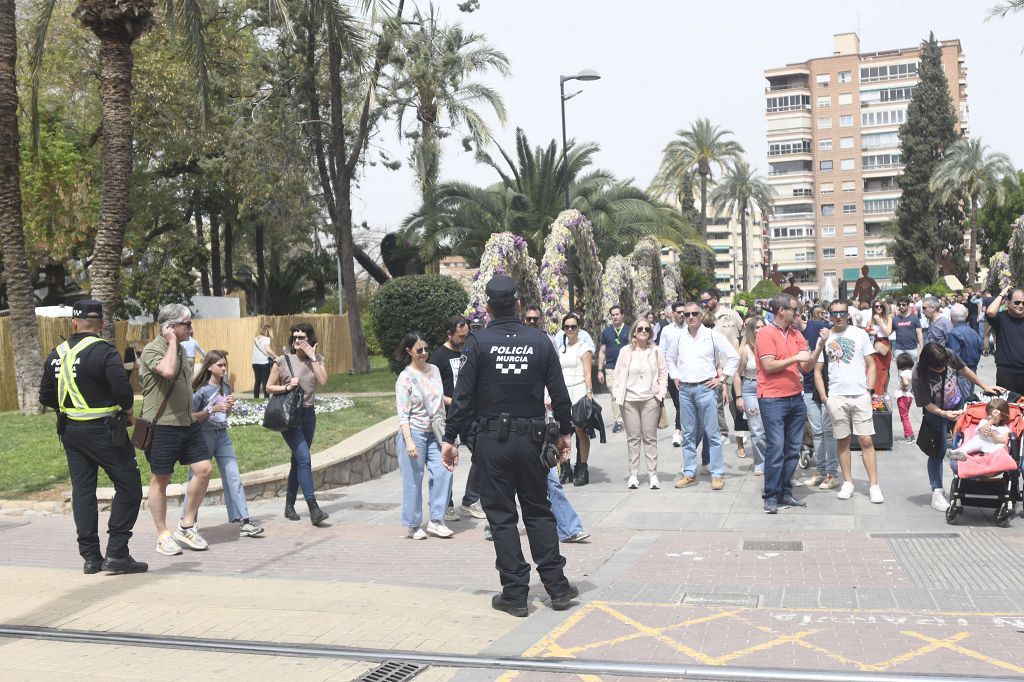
771,506
790,501
125,564
563,601
512,608
92,566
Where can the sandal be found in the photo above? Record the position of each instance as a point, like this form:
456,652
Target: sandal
741,453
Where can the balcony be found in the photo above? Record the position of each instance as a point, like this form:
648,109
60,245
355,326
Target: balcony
799,171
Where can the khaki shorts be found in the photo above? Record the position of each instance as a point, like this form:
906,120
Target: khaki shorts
851,412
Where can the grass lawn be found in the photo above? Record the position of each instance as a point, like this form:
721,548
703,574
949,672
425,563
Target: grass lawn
378,380
31,458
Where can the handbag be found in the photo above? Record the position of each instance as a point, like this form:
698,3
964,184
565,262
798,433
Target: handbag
437,421
663,417
285,410
951,396
142,432
986,464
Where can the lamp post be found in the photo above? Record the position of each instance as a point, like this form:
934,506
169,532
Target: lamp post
584,75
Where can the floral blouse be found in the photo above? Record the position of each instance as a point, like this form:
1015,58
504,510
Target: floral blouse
410,389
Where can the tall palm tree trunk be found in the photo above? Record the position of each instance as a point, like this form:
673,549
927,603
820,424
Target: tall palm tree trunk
743,246
972,266
27,363
116,63
707,261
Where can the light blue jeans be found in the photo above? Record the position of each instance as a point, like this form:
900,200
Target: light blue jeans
698,415
566,518
826,455
413,468
223,450
754,422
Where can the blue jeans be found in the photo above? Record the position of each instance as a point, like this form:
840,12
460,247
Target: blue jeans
754,422
301,471
826,454
935,462
223,450
413,468
566,518
783,420
698,412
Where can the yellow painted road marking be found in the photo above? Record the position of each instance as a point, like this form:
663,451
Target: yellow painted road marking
952,646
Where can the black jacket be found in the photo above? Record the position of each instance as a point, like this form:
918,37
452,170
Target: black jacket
100,376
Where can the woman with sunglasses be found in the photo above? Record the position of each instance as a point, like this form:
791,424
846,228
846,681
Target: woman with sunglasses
301,366
641,382
419,399
880,331
577,357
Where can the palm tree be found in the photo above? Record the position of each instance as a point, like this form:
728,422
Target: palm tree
1000,10
27,364
738,193
699,148
969,170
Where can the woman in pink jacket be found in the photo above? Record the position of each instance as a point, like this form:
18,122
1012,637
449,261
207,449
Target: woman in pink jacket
641,380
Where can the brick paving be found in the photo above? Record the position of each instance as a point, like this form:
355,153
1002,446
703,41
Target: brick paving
669,576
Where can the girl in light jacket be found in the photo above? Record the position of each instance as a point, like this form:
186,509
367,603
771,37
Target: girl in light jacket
641,380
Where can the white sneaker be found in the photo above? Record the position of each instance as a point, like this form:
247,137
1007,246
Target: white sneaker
439,529
677,439
846,492
190,537
655,484
417,533
939,502
633,483
875,493
475,510
166,545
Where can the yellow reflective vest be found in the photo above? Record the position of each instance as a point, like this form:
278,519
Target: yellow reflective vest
66,387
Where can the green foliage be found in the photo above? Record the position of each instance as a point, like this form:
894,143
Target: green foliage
925,226
936,288
420,303
164,273
995,219
762,290
692,280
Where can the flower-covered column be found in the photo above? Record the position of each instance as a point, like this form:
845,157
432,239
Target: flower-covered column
648,284
617,288
504,254
571,227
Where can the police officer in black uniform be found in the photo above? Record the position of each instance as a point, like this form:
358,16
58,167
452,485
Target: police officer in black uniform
501,387
85,380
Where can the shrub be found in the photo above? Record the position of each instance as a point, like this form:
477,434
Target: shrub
765,289
938,288
420,303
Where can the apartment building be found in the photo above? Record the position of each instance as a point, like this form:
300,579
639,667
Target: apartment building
834,157
724,238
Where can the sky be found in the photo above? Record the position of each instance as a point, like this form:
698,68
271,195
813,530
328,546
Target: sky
666,63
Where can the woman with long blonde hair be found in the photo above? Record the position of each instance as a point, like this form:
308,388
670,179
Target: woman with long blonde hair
745,386
641,381
880,331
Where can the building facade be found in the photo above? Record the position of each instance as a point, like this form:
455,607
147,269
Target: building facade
834,157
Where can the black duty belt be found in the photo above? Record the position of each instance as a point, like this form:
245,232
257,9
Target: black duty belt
519,425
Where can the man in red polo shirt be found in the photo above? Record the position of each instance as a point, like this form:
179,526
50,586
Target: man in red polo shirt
782,353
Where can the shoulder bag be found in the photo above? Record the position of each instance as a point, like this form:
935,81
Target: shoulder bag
142,433
285,410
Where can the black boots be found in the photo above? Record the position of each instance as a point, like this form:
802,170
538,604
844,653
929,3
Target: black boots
289,508
564,472
582,475
316,514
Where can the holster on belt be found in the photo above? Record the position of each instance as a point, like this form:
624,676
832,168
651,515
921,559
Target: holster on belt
62,423
504,426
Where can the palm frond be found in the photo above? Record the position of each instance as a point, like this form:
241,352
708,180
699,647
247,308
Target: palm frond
40,28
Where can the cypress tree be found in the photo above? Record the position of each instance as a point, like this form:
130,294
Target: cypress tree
924,228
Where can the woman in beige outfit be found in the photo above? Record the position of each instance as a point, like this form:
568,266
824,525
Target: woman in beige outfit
641,380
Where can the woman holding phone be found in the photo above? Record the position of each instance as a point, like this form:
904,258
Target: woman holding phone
301,366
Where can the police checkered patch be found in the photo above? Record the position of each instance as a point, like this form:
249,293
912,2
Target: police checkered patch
511,367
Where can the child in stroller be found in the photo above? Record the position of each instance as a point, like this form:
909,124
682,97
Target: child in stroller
991,434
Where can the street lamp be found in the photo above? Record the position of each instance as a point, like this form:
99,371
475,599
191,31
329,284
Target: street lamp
584,75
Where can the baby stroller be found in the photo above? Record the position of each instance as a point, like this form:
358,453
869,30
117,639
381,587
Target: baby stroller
1000,492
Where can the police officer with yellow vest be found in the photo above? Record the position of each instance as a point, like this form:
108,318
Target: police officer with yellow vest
85,380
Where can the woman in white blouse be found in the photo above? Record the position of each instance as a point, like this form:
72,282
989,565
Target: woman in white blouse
641,381
577,358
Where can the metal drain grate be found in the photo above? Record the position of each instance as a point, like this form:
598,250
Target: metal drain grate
720,599
913,536
392,671
774,545
953,563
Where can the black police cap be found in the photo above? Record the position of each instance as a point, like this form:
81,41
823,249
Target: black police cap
87,309
501,290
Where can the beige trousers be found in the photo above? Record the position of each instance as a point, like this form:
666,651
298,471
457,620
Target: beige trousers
609,380
640,418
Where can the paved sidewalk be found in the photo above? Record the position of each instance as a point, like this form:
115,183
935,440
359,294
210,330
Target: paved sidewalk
671,576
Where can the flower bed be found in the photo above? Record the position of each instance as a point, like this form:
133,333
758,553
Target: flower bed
249,412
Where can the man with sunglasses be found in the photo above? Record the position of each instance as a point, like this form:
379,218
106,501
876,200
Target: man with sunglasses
612,339
782,354
909,335
1008,329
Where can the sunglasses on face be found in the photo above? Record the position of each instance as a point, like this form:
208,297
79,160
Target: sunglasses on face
694,313
678,312
838,313
643,330
1016,302
570,327
300,338
532,318
182,324
421,351
705,301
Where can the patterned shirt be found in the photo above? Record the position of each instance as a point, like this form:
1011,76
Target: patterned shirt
411,389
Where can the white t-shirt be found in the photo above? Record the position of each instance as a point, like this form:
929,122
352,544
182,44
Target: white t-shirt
847,368
981,443
908,376
260,345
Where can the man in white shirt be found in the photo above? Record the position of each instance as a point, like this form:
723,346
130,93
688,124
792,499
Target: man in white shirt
848,396
693,357
669,335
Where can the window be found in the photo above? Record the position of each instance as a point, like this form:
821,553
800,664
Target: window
849,229
886,117
828,231
789,147
824,122
888,95
845,76
828,209
828,253
802,192
877,140
792,210
846,143
825,101
826,188
849,186
886,73
846,164
825,165
876,161
850,251
788,103
795,232
874,251
803,256
790,167
849,208
823,79
846,121
845,99
876,206
825,145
